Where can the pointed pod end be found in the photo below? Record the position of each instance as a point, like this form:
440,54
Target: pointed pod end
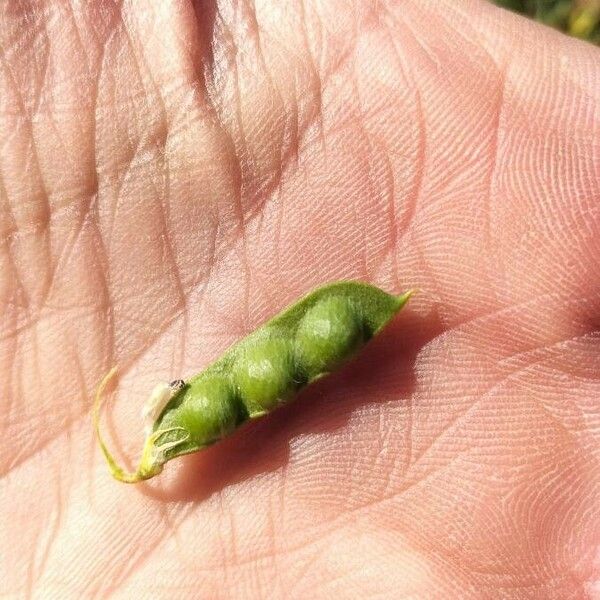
406,296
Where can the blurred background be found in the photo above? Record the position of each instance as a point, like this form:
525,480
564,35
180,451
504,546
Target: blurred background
579,18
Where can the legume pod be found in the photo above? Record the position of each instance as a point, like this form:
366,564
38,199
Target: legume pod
305,342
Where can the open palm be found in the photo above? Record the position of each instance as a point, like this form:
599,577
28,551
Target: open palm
172,174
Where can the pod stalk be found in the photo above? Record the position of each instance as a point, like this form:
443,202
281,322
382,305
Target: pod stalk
153,454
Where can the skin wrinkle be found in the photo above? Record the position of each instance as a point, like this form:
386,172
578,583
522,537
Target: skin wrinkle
67,426
100,244
65,253
41,447
271,190
318,95
8,231
172,532
167,244
37,100
239,197
390,194
239,171
365,137
273,544
405,23
412,197
239,120
305,572
254,26
44,219
269,193
520,355
260,558
235,561
222,544
55,520
289,145
544,348
179,281
57,265
492,194
25,419
40,32
46,211
417,188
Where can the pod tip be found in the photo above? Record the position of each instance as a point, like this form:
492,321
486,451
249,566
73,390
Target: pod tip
406,296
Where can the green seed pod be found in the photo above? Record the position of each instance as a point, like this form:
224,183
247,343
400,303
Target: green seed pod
263,374
207,410
327,335
308,340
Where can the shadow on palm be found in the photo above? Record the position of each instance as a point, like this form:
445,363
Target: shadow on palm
382,372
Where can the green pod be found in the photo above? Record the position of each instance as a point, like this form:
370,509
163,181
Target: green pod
327,335
208,412
313,337
264,372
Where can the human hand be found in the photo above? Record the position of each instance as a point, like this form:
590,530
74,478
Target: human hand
172,175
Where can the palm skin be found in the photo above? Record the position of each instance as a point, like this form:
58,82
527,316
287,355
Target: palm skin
174,174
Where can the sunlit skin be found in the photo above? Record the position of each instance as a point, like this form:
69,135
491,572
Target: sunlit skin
172,175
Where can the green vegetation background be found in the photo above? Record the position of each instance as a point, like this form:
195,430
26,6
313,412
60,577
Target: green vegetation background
580,18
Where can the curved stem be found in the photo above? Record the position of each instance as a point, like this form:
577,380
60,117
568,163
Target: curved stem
153,455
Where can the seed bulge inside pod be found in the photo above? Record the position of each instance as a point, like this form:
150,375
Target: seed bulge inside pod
328,334
264,373
208,410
